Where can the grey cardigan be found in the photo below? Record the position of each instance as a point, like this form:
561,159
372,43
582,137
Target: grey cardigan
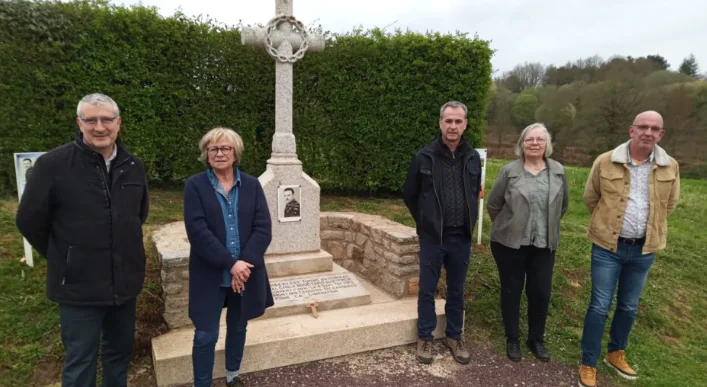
509,207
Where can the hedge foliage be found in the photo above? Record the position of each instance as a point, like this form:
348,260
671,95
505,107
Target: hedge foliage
361,107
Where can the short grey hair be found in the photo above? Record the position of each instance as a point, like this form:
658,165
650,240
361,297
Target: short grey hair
453,104
215,135
97,99
548,139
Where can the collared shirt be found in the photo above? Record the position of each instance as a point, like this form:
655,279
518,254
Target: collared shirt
112,156
638,207
535,232
229,208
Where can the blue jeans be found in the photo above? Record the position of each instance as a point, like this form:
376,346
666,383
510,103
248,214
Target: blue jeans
454,254
629,268
205,338
86,328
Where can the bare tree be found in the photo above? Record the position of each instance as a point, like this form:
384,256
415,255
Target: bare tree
523,76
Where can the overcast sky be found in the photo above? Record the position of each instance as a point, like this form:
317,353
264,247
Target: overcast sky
546,31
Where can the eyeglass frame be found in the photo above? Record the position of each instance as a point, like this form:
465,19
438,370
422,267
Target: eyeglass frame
530,140
213,151
98,119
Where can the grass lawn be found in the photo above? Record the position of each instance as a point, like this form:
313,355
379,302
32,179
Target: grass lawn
668,344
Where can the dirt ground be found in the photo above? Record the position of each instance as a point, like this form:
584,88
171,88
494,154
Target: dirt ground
387,367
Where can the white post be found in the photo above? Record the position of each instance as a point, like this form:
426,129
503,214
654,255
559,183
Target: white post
23,162
480,221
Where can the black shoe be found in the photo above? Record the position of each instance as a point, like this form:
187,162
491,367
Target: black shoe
236,382
538,349
513,350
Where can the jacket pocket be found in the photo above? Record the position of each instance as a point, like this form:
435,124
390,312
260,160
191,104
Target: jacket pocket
426,183
612,182
664,184
67,266
129,199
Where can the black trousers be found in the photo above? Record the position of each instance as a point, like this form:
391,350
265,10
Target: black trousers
531,267
85,329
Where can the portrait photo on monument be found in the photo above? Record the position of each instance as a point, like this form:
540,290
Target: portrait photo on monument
24,163
289,200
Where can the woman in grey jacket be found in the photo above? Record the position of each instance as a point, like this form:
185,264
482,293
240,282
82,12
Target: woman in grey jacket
528,198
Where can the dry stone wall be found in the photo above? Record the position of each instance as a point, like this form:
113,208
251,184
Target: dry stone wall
380,250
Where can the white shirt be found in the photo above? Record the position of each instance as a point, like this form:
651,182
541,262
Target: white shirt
112,157
639,201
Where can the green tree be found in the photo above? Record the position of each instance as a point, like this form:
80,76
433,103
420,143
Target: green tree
690,67
659,62
498,114
523,111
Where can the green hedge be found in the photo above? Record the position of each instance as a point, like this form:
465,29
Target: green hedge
361,107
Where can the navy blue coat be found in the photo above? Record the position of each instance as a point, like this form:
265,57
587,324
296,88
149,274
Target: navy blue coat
209,257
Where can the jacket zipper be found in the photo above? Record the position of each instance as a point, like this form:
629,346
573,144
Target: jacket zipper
466,195
106,187
66,266
441,214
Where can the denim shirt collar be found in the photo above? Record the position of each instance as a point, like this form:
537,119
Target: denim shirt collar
214,181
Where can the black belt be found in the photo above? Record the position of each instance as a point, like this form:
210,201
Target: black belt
632,241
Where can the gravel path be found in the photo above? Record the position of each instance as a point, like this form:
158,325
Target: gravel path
398,367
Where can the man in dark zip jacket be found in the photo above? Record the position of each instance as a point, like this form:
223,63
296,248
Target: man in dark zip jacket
83,209
441,191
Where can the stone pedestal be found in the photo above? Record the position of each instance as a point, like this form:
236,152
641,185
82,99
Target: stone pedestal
289,237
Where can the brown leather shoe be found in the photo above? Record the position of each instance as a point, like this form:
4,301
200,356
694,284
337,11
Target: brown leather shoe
424,351
459,352
587,376
617,361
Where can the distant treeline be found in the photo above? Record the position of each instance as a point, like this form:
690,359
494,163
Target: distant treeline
588,105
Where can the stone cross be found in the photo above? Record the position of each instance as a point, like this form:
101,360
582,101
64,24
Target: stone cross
285,39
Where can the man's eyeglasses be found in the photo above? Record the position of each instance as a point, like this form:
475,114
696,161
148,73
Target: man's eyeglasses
93,121
643,128
226,150
530,140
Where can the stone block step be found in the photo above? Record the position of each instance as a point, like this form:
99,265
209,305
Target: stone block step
283,265
333,290
282,341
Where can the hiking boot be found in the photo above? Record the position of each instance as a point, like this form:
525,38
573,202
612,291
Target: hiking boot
538,349
424,351
459,353
617,361
587,376
236,382
513,350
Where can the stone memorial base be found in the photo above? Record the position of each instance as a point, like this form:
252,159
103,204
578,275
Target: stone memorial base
282,341
364,282
282,265
334,290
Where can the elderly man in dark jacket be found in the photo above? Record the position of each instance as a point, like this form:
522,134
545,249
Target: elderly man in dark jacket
441,191
83,209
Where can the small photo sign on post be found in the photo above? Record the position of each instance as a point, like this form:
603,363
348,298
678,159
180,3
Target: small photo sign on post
24,164
480,221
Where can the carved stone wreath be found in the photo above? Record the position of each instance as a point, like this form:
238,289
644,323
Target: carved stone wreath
298,27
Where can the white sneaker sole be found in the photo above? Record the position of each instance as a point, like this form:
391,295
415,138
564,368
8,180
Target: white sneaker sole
618,371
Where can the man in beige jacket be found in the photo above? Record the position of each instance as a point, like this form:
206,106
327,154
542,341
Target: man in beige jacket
630,192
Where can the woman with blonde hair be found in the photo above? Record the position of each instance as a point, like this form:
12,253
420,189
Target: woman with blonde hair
528,199
228,226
